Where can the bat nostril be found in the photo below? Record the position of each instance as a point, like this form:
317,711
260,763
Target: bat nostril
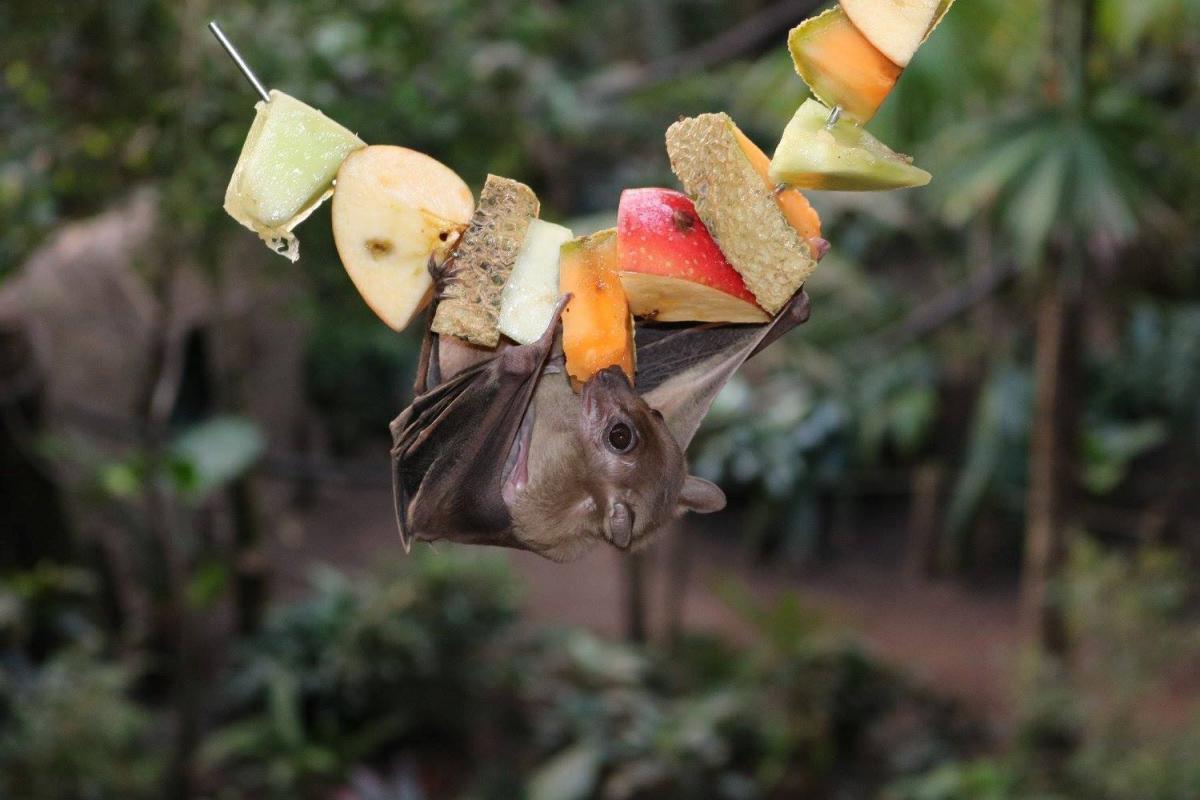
620,525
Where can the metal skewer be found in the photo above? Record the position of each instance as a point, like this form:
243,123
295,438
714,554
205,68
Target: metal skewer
834,116
237,59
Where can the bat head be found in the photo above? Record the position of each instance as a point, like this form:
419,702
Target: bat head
618,475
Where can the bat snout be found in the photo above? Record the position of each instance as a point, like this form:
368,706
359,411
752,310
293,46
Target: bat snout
618,526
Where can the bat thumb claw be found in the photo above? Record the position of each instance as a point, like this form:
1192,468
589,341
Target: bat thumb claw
405,539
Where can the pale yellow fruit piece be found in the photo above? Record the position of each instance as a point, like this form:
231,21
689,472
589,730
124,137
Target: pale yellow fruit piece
896,27
394,210
286,169
531,294
661,298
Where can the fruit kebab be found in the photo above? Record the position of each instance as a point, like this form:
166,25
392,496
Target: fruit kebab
287,164
851,57
396,210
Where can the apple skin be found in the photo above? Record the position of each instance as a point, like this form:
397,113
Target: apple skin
660,233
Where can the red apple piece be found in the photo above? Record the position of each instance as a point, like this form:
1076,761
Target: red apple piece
672,268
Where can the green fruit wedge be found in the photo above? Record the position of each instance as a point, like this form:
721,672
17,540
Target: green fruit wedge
841,157
287,166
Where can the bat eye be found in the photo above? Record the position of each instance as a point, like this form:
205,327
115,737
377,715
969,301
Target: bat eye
620,438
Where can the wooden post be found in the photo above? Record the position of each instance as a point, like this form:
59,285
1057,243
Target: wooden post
634,568
1051,450
921,560
33,520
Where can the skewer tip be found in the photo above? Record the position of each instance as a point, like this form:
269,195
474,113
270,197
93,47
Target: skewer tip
239,61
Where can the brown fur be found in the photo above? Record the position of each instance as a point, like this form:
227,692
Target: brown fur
576,480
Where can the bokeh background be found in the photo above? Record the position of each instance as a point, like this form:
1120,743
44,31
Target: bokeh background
960,555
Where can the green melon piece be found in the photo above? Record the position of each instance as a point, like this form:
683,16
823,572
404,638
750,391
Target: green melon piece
287,167
469,307
743,216
841,157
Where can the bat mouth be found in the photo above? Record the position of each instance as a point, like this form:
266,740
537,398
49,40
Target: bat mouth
516,467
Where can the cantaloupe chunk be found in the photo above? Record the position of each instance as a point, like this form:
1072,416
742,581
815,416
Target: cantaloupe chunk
795,206
841,66
597,324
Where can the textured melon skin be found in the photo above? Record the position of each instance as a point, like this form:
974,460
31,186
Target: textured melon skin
469,307
843,157
286,169
739,211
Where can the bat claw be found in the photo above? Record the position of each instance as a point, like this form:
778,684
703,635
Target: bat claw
442,275
799,308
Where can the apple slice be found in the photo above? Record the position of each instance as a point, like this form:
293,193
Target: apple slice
841,66
394,209
841,157
286,169
897,28
732,198
531,294
597,325
671,268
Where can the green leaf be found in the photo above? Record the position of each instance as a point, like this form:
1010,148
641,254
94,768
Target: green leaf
987,170
1110,449
121,479
1035,205
214,453
571,775
207,584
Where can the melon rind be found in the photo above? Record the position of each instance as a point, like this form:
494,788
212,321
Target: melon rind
739,211
469,307
842,157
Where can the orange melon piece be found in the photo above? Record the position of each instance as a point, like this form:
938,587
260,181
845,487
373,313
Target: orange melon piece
841,66
597,323
795,206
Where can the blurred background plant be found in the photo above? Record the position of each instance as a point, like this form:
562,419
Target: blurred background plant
995,365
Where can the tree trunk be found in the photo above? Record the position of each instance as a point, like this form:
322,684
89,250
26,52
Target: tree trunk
679,570
33,519
250,562
1051,450
924,523
635,597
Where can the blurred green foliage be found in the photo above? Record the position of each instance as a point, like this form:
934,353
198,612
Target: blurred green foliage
1097,730
72,731
385,688
423,663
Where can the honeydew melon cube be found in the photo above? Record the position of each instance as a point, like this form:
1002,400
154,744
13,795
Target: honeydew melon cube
531,293
286,169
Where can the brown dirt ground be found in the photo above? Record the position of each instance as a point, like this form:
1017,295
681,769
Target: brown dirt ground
960,640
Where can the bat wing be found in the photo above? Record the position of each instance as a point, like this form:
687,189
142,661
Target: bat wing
450,447
681,370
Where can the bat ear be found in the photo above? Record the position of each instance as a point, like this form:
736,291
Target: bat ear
701,496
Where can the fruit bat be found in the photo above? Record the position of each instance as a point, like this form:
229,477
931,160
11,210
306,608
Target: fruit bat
497,449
